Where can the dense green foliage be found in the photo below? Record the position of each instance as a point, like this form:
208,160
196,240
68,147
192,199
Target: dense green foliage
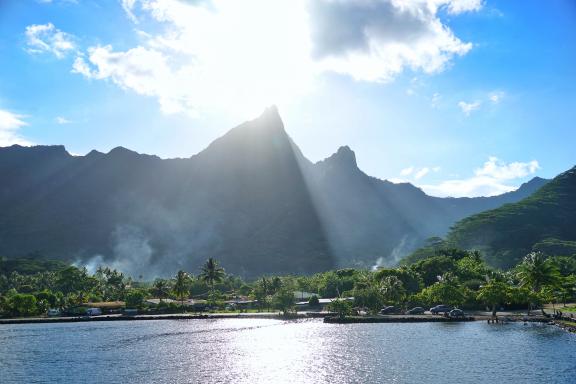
451,276
545,221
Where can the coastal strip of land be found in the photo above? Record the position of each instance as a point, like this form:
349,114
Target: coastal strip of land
327,316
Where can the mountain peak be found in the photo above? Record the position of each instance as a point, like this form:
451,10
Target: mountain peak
270,119
261,138
344,158
119,150
532,185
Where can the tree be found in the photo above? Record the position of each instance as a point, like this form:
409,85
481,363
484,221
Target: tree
392,289
22,304
160,288
430,269
411,280
135,298
567,288
535,271
283,300
260,292
275,285
212,273
445,291
181,287
75,280
314,302
341,307
369,297
493,293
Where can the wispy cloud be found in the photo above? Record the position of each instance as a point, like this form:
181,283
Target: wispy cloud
407,171
493,178
496,96
421,173
467,108
415,173
10,123
62,120
435,100
456,7
46,38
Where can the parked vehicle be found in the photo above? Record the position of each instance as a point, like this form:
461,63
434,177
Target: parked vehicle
130,312
415,311
53,312
456,313
440,309
389,310
93,312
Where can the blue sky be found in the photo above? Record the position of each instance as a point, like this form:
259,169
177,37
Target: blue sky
459,97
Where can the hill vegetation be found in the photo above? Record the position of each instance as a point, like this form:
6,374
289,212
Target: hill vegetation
544,221
457,278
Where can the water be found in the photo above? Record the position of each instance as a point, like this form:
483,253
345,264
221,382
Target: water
271,351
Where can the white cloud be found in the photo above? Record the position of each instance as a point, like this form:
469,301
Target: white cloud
499,170
491,179
467,108
459,6
209,56
46,38
407,171
128,5
143,70
375,40
62,120
496,96
472,187
81,67
421,173
10,123
214,53
415,173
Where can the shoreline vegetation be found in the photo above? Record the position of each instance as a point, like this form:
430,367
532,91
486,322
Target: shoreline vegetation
45,291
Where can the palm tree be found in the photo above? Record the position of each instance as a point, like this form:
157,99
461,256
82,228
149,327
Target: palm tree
181,287
211,274
536,271
392,289
161,288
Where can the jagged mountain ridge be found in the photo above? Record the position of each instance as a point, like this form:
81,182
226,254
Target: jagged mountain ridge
250,199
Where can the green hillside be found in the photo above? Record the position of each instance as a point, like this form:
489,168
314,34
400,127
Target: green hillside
544,221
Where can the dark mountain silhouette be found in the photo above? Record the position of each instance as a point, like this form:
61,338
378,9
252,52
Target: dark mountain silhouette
250,200
544,221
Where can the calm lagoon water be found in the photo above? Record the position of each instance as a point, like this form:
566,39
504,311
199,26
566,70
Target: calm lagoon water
271,351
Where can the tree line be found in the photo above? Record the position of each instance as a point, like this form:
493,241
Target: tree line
455,277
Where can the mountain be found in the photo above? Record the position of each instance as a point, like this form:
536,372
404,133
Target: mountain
545,221
250,200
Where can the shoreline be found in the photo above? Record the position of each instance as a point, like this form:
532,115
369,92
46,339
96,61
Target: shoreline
326,316
181,316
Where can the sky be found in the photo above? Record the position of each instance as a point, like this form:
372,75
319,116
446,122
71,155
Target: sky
458,97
